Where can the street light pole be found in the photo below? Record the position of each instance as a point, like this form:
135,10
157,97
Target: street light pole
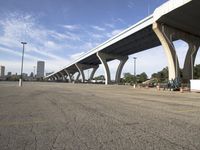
192,64
88,75
134,71
33,71
21,78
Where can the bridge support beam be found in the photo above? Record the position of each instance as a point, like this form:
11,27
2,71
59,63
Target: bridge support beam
81,71
77,77
166,35
69,75
189,61
82,67
103,57
62,76
119,69
57,76
93,72
54,78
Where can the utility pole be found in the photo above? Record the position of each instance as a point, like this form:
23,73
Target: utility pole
88,75
33,71
135,58
21,78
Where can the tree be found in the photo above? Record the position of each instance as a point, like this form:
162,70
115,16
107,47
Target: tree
142,77
162,75
128,78
101,77
197,72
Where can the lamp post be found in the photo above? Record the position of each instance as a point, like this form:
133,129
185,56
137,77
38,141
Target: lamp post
88,75
192,63
134,71
33,71
21,78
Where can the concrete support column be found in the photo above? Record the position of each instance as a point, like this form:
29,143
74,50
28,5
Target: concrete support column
119,69
53,77
69,75
81,71
62,76
102,57
93,72
165,37
57,76
190,60
77,77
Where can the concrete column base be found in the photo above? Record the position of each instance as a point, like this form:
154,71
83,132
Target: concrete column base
20,82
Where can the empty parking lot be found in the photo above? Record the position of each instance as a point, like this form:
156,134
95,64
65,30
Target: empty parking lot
62,116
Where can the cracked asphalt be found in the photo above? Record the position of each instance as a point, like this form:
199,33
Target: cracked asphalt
63,116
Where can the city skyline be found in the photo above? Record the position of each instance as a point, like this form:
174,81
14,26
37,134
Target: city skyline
58,36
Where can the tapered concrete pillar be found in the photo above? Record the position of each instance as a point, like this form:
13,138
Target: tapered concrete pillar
190,60
57,76
69,75
81,71
62,76
53,78
119,69
77,77
165,36
94,69
103,58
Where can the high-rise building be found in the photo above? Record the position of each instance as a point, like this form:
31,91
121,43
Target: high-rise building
40,69
2,71
9,74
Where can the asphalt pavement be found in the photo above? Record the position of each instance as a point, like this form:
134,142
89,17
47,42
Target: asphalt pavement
63,116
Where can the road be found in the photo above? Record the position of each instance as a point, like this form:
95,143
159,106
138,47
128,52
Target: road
63,116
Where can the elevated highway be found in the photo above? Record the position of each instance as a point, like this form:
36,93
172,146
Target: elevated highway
175,19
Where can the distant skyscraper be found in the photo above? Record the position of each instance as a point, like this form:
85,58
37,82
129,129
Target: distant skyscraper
9,74
2,71
40,69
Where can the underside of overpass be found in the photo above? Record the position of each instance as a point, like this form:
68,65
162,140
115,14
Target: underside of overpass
171,21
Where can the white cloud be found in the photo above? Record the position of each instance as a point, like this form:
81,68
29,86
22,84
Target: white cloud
131,4
16,53
98,28
96,35
76,55
114,32
118,20
109,25
42,42
71,27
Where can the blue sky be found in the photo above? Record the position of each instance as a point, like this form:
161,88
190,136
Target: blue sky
59,31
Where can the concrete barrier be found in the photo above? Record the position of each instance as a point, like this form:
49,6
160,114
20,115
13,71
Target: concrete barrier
195,85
